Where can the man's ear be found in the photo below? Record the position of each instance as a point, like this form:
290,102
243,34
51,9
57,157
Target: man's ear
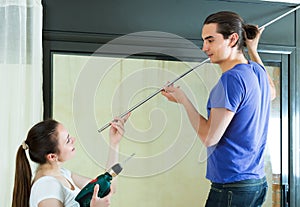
234,38
52,157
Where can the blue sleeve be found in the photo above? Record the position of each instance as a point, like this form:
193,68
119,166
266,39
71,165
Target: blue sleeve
228,93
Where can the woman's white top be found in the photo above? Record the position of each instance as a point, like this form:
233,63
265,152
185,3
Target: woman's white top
49,187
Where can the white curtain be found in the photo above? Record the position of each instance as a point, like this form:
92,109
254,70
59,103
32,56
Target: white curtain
20,82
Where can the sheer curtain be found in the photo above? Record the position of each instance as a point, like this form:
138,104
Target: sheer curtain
20,82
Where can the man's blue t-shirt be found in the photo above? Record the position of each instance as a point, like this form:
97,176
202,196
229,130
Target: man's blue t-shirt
244,89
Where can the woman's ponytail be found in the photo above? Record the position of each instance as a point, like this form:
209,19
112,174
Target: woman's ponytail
22,183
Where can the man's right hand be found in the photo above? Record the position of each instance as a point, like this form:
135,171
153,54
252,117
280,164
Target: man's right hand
174,94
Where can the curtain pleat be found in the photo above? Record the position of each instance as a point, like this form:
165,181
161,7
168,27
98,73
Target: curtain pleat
21,103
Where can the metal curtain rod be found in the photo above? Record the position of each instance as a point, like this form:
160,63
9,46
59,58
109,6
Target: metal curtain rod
184,74
154,94
280,17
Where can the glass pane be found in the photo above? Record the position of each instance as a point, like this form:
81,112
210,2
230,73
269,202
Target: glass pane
170,161
273,157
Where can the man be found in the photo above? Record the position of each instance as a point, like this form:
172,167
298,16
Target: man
238,110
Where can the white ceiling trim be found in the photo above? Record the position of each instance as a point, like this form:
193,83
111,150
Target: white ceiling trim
290,1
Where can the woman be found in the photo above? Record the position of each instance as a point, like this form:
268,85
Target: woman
50,145
238,109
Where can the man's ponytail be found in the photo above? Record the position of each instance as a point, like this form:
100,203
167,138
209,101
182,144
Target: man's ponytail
250,31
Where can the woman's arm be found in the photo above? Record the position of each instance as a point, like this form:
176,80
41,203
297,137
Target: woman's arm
116,133
50,202
79,180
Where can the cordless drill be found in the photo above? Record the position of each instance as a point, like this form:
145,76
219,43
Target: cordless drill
84,197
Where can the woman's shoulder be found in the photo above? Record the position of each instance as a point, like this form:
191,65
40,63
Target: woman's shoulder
46,182
46,187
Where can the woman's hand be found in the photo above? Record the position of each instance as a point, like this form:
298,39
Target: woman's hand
99,202
116,131
174,94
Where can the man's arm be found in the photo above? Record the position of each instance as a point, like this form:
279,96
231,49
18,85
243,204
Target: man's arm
209,131
254,56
